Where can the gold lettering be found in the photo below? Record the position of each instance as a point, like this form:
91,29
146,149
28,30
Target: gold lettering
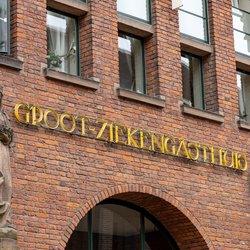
111,132
182,150
225,160
212,154
71,118
221,154
241,162
27,112
130,137
36,121
193,145
104,125
204,148
160,144
83,126
143,137
46,120
118,129
170,139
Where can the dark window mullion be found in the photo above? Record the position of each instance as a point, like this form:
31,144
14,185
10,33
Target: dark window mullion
90,231
142,232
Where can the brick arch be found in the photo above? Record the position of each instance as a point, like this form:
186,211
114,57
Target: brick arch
178,220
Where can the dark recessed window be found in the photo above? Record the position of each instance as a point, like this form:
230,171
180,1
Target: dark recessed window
4,26
243,83
192,81
62,43
120,226
193,19
131,63
241,25
138,9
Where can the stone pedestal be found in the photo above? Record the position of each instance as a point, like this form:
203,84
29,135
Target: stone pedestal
8,239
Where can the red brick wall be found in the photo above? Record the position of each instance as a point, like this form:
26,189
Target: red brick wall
55,174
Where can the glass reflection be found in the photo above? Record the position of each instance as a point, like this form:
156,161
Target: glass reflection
62,43
194,6
192,81
3,26
241,24
119,227
136,8
243,84
131,63
116,228
193,19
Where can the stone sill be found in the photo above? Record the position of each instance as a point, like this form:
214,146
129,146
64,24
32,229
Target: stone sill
76,80
195,47
244,124
73,7
243,62
155,101
202,114
11,62
134,27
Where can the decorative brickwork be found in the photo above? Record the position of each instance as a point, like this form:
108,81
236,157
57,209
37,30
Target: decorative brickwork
58,177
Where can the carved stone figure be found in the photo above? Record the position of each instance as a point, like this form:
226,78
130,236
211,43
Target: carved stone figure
6,134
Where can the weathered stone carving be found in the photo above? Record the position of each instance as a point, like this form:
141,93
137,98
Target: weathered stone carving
6,134
8,235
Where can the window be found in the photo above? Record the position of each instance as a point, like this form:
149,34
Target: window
62,43
193,19
192,81
243,83
4,26
241,25
117,225
131,63
138,9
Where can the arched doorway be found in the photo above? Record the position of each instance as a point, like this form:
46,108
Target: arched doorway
116,224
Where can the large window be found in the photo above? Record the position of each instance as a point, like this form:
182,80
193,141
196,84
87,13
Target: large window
192,81
241,24
243,83
193,19
117,225
138,9
62,43
131,63
4,26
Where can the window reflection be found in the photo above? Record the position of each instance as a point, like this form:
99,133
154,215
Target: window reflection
192,81
193,19
3,26
131,63
243,84
62,43
139,9
241,24
119,227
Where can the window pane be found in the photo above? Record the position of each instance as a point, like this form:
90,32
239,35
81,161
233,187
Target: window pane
131,64
198,28
136,8
241,24
62,43
154,238
192,81
3,26
195,7
79,238
243,83
116,228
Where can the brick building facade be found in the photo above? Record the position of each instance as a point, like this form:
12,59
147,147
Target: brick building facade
183,164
